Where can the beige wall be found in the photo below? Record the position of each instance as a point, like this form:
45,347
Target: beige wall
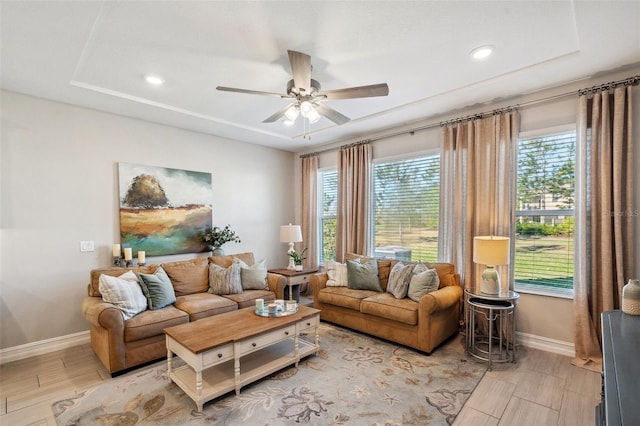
59,187
544,316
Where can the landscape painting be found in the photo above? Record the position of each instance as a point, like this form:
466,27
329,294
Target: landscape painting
164,211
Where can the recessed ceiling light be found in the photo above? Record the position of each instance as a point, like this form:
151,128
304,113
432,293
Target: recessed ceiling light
481,52
153,79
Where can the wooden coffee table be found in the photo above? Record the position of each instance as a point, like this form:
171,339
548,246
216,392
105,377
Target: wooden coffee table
227,351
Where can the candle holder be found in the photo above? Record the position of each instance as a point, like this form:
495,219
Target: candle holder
118,261
128,263
142,264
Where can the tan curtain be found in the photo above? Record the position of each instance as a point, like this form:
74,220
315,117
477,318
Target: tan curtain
604,228
354,170
477,189
309,222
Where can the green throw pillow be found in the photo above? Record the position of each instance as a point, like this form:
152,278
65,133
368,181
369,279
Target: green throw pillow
157,288
363,276
422,283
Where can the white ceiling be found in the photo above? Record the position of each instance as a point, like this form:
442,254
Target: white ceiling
95,54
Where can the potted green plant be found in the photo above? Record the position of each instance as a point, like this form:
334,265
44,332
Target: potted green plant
215,237
298,258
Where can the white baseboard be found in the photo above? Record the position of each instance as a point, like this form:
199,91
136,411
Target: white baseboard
41,347
546,344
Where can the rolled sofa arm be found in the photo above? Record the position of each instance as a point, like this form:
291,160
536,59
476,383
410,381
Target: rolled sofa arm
317,282
440,299
276,283
102,314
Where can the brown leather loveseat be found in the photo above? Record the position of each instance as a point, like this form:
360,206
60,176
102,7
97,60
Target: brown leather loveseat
422,325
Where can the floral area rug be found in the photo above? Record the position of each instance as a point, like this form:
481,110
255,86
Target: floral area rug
354,379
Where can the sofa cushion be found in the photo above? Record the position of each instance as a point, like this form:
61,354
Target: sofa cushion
337,273
253,277
124,292
225,280
422,282
363,275
152,323
157,289
188,276
226,261
446,273
248,298
343,296
384,305
202,305
94,284
399,278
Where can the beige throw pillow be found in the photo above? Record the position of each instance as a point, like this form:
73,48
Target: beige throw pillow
399,279
225,280
337,273
253,277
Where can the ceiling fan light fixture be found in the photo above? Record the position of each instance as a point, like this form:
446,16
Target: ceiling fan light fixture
288,122
313,116
305,108
292,113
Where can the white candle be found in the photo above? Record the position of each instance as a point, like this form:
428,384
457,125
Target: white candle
141,256
127,253
116,250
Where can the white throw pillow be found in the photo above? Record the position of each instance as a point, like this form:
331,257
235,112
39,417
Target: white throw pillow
124,293
254,277
398,283
337,273
422,283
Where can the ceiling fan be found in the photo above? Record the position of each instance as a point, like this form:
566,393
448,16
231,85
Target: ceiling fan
307,97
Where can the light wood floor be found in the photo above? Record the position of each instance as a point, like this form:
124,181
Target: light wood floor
542,388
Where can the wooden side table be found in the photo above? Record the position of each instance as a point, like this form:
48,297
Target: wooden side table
294,279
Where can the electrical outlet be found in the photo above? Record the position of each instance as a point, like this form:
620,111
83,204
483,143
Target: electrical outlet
86,246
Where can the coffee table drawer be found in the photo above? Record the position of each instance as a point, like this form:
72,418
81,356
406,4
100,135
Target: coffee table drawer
217,355
254,343
307,323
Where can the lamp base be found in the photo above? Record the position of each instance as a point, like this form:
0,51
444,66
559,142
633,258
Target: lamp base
490,281
292,264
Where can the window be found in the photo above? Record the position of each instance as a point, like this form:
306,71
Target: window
544,251
406,204
328,191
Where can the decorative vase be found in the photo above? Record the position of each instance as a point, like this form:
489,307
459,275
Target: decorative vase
217,251
298,267
631,298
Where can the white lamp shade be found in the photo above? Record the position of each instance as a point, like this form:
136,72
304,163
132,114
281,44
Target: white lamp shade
290,233
491,250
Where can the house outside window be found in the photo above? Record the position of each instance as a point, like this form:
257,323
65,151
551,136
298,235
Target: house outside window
328,206
544,250
405,210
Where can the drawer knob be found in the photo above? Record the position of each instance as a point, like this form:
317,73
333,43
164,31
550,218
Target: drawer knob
219,355
286,333
308,324
254,345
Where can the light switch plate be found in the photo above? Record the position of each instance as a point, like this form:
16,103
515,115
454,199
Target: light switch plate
86,246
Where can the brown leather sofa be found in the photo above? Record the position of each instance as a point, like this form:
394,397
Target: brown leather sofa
421,325
121,344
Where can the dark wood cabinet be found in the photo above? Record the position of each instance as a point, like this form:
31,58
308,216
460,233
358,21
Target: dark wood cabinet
620,369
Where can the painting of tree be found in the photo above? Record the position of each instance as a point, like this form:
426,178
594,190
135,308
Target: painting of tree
164,211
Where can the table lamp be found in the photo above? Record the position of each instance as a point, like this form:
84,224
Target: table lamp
491,251
290,234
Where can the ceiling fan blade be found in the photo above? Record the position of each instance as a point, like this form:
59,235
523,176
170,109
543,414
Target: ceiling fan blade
357,92
277,115
332,114
301,70
251,92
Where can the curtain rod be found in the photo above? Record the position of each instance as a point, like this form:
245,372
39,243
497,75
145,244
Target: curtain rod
629,81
